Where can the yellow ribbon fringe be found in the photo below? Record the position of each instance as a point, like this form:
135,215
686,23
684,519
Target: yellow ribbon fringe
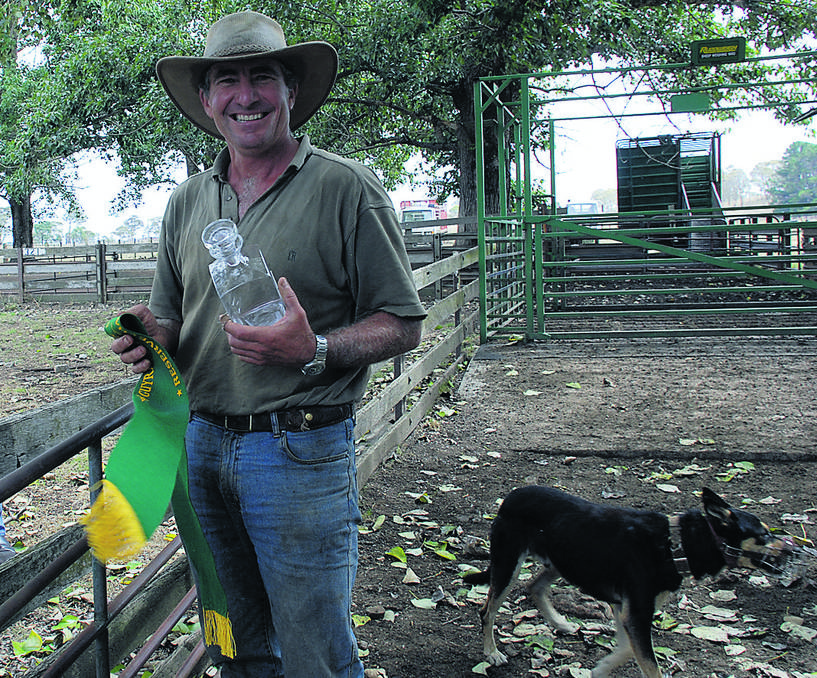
114,532
219,631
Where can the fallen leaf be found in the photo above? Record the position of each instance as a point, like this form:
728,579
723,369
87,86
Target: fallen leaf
669,489
799,631
723,596
424,603
360,620
719,613
525,629
690,470
411,577
715,634
398,554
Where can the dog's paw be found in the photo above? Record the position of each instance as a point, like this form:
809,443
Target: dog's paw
496,658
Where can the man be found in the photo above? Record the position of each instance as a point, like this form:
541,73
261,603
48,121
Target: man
270,441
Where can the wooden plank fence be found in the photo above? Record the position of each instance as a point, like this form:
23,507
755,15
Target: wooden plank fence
120,272
103,272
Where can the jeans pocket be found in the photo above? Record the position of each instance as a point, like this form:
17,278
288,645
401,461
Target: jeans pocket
321,446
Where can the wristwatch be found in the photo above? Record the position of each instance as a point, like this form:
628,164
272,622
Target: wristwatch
318,363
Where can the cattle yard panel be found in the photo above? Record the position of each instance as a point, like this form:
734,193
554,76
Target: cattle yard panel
672,261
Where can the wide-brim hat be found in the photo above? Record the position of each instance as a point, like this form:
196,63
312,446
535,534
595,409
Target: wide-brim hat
250,35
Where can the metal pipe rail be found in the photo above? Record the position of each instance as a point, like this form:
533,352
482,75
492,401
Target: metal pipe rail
62,452
89,438
83,640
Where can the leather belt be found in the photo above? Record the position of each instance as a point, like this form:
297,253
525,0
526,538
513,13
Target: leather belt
293,420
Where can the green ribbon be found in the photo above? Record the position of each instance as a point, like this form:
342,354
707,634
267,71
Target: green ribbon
146,472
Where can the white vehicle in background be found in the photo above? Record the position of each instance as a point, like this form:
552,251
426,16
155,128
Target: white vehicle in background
583,208
420,212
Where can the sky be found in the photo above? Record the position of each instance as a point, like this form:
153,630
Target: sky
585,161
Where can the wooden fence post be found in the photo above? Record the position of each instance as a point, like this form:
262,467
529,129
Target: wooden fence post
101,273
20,275
400,406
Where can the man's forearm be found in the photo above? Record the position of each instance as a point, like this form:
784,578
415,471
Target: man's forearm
378,337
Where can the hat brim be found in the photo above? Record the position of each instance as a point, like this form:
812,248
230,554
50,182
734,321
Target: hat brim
315,64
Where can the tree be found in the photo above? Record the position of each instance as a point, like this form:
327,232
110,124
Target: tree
735,187
80,233
35,141
78,76
761,176
796,177
47,232
607,198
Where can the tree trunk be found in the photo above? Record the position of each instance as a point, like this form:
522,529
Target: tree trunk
466,144
22,225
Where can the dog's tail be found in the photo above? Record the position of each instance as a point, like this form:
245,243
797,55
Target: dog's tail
483,577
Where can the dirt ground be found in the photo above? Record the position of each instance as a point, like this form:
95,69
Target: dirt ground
642,423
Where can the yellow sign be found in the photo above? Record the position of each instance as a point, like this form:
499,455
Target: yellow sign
723,51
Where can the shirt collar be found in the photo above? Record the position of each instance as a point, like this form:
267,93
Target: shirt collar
222,161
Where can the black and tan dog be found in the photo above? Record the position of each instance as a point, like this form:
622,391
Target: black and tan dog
628,558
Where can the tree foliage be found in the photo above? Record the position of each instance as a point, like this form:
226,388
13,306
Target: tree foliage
796,178
79,74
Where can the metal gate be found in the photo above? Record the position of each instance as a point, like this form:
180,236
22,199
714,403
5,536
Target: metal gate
672,261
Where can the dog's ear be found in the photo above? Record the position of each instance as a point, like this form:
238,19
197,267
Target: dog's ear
715,507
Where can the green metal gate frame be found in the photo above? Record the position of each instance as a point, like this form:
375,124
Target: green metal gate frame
528,279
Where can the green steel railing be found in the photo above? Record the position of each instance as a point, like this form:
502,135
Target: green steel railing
693,268
550,277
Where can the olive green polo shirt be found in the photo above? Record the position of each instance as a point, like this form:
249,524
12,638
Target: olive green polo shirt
328,225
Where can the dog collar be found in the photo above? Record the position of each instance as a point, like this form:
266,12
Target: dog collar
676,547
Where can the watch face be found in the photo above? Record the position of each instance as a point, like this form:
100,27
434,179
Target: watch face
312,370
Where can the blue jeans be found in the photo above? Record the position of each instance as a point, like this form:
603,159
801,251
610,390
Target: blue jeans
6,550
280,513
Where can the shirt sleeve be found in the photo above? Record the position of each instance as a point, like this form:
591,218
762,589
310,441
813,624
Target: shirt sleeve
382,276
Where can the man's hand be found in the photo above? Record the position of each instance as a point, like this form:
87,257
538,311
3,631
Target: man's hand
136,355
289,342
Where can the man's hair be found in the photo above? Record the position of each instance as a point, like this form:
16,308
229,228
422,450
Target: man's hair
291,79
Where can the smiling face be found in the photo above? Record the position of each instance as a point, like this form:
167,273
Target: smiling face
249,102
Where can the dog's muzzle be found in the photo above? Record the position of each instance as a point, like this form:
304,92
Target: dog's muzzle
784,557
